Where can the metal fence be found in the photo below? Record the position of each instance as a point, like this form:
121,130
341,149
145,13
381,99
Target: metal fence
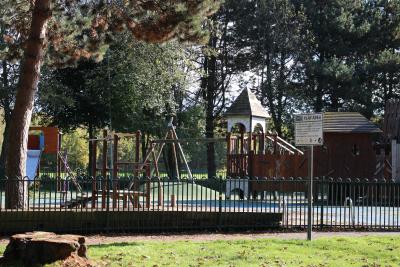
154,204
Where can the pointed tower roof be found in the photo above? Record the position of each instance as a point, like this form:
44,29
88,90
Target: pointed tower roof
247,104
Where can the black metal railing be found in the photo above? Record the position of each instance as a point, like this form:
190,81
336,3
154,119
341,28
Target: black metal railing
159,204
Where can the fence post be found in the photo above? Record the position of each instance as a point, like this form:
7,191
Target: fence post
322,186
108,178
220,204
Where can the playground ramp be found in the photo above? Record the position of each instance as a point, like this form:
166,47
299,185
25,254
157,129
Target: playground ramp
32,163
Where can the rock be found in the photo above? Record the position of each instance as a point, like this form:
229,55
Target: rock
38,248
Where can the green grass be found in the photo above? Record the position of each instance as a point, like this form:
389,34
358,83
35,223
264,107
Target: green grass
338,251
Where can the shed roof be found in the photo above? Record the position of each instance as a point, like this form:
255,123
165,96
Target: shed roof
348,122
247,104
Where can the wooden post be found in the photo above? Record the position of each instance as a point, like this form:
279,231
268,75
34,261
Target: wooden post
250,163
137,153
228,154
175,156
104,169
160,192
93,172
115,157
175,136
256,138
136,187
242,169
59,140
148,184
155,164
228,143
93,163
395,160
261,144
125,197
115,171
242,142
58,165
173,201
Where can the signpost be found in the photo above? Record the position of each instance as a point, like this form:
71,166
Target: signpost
309,132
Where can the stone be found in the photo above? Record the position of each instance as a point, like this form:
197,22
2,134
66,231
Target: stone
38,248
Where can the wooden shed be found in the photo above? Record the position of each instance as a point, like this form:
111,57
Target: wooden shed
348,150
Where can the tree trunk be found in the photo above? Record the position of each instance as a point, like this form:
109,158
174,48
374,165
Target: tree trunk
7,117
211,166
16,191
4,146
91,136
209,88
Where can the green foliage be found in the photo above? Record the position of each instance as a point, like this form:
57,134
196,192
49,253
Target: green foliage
308,55
130,90
346,40
134,88
143,79
76,146
191,124
77,29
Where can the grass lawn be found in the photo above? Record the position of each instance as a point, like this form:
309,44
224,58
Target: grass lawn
337,251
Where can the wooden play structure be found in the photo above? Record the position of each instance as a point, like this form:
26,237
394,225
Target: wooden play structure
47,141
146,166
44,140
111,166
251,150
348,151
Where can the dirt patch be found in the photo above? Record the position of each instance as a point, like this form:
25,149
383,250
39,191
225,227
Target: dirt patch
121,238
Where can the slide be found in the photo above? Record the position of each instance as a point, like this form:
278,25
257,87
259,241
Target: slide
32,163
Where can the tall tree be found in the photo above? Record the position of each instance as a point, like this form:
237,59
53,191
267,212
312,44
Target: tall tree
71,30
8,85
271,32
219,63
381,57
350,58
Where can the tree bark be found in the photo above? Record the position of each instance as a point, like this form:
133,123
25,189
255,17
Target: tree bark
4,146
16,190
211,166
209,88
210,91
7,117
91,136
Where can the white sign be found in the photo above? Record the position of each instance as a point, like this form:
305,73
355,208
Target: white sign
308,129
